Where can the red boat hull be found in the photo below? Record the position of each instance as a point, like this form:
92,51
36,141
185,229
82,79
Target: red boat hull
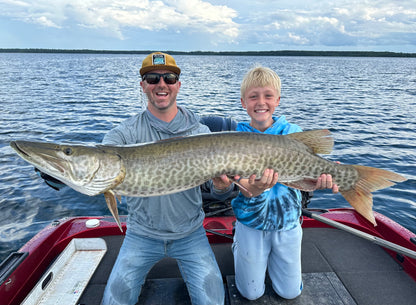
43,248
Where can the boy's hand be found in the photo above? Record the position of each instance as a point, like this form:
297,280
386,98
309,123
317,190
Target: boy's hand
255,187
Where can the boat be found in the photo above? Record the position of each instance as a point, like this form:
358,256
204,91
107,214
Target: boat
345,259
69,261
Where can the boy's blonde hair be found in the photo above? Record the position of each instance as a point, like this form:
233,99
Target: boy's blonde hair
260,77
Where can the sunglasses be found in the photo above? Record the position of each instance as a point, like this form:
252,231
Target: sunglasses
154,78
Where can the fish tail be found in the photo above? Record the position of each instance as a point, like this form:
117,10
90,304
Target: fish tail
370,179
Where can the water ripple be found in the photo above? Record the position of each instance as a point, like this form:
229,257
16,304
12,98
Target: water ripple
367,103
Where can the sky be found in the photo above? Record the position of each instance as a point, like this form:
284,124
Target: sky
210,25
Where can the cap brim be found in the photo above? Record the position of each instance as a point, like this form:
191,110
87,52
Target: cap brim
159,67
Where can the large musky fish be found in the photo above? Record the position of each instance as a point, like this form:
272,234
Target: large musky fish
177,164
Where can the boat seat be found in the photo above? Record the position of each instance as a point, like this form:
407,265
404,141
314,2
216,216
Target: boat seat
217,123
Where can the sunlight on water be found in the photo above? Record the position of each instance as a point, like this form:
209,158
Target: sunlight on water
367,103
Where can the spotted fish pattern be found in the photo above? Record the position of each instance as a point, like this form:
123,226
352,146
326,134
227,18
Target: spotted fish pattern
177,164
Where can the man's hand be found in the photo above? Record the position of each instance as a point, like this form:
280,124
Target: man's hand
325,182
222,182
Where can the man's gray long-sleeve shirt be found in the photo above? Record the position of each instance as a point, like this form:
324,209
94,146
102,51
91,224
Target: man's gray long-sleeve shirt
169,216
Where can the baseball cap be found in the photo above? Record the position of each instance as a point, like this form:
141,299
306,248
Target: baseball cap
159,61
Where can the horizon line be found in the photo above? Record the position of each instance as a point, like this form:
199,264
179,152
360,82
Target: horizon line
236,53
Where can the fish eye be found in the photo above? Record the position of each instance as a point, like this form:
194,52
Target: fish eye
68,151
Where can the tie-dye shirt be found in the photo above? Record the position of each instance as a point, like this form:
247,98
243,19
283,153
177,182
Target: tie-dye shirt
278,208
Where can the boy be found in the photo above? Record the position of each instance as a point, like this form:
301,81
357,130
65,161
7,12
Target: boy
268,234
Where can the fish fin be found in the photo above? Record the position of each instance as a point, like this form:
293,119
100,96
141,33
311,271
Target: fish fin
362,202
110,198
307,185
319,141
370,179
118,179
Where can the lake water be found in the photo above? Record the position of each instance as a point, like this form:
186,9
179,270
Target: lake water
369,104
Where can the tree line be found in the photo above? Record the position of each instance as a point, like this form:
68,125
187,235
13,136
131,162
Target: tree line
223,53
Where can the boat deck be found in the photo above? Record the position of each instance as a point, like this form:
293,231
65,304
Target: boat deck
338,268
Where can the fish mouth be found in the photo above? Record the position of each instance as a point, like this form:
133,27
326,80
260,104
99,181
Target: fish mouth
38,157
18,149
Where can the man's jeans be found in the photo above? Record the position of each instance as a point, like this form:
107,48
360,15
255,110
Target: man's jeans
138,254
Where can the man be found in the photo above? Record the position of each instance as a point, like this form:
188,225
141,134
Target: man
169,225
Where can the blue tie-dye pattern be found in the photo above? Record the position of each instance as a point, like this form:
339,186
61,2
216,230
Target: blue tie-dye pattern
276,209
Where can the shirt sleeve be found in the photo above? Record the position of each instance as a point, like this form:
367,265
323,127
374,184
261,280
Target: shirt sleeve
114,137
291,128
220,195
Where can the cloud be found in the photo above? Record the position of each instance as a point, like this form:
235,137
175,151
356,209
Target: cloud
14,3
215,24
45,21
340,23
113,16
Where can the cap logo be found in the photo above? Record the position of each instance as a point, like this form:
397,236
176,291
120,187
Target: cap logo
159,59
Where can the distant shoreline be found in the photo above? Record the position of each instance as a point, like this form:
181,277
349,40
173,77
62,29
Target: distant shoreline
227,53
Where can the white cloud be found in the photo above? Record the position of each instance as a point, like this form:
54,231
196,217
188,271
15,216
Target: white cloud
115,15
321,23
297,39
14,3
218,24
45,21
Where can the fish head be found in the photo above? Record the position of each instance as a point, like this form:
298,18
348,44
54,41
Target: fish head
90,170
